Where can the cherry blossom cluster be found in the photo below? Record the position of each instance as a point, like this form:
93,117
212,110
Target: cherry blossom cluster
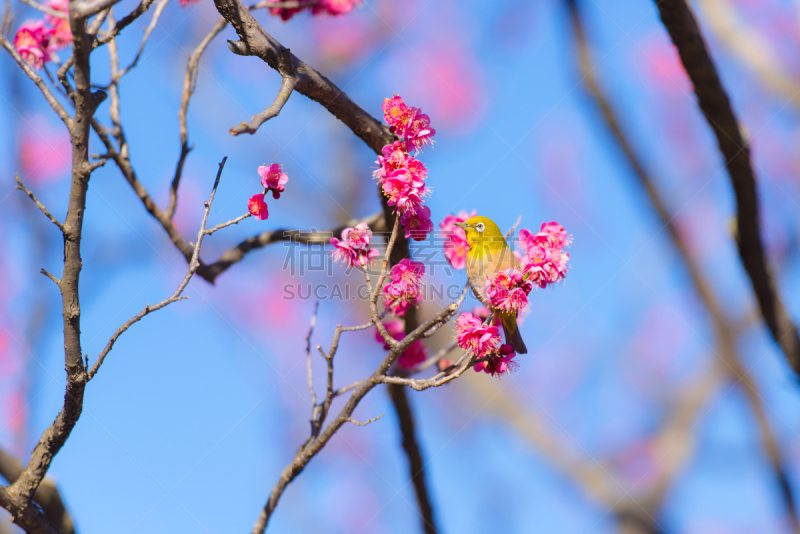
272,179
331,7
456,246
37,41
401,175
483,341
415,354
353,249
508,290
404,288
543,256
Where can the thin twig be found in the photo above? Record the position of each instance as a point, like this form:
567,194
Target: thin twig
51,277
308,354
45,9
51,99
189,85
287,86
220,226
176,296
365,423
41,206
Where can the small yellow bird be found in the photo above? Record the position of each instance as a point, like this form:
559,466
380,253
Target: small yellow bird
489,254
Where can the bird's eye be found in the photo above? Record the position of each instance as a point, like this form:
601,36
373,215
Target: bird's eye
479,227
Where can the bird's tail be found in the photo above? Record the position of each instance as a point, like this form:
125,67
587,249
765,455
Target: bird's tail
513,337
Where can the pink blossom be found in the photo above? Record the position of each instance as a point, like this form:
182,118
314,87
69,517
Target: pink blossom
61,32
395,111
32,41
185,3
456,246
257,207
417,224
409,123
335,7
404,288
405,187
353,249
475,337
331,7
498,363
480,312
393,158
273,178
543,255
417,132
508,290
414,354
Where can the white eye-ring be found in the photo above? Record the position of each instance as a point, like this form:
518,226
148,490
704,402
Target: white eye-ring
479,227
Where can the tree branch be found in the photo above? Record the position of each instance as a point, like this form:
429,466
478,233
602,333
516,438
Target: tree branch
47,495
715,105
287,86
176,296
416,465
21,492
727,354
254,41
189,85
27,191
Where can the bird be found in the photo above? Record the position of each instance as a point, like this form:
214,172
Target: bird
488,254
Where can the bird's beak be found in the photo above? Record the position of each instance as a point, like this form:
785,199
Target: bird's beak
461,224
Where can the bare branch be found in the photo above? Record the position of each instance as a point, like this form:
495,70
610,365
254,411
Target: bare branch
234,255
176,296
88,9
728,357
308,354
189,84
47,495
51,277
44,9
254,41
220,226
21,492
416,465
147,32
715,105
48,95
365,423
287,86
314,445
27,191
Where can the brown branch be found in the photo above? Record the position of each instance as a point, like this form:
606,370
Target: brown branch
176,296
47,495
715,105
308,355
44,9
254,41
220,226
147,32
51,277
48,95
287,86
17,498
751,48
189,85
364,423
85,10
314,445
725,331
41,206
234,255
416,465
